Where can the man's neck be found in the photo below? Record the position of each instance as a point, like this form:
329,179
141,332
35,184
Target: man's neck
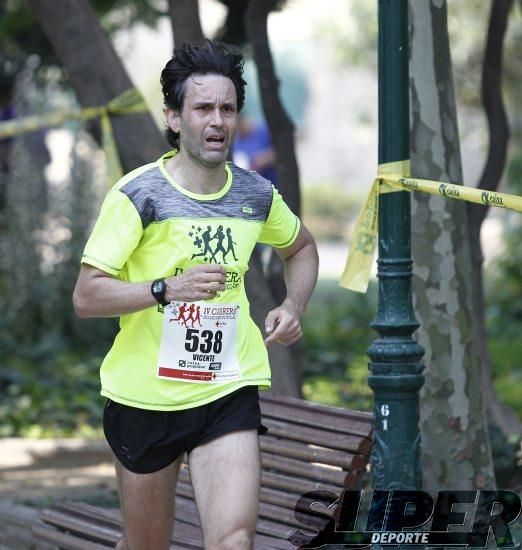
195,177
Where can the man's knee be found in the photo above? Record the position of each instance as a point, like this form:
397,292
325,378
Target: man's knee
239,539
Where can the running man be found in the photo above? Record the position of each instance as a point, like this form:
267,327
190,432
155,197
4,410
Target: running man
230,245
181,315
207,250
220,237
171,389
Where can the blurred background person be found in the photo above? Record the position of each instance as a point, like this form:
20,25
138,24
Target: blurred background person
253,148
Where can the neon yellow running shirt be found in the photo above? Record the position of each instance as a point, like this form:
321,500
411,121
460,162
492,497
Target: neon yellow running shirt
186,354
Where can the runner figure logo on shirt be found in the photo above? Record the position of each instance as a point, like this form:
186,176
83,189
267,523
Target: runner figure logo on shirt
210,243
191,314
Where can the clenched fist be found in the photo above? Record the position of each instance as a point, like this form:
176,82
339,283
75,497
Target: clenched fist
201,282
283,324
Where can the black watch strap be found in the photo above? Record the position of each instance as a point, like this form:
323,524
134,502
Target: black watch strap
158,288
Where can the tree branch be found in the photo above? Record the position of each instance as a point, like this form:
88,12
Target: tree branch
498,125
281,127
186,25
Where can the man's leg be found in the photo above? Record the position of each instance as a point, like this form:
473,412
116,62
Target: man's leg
226,475
147,502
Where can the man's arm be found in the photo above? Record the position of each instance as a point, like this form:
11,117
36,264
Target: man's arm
99,294
301,263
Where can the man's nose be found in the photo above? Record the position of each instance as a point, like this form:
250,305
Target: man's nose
217,118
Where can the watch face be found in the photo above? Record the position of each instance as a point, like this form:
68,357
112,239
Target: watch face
157,287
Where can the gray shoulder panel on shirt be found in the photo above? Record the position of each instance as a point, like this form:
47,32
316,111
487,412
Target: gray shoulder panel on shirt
156,199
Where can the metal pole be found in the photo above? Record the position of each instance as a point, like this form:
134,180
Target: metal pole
395,369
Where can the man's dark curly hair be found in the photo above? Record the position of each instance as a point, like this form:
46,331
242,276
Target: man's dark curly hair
208,58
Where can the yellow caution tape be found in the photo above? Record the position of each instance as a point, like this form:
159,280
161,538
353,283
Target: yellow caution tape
130,101
394,177
389,170
114,169
458,192
356,273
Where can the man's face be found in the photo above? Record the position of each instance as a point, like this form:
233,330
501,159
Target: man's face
208,121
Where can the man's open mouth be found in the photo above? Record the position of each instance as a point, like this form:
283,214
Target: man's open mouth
215,139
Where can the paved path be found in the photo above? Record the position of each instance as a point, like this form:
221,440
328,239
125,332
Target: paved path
38,472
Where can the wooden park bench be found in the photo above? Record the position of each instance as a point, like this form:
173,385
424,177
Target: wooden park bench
308,447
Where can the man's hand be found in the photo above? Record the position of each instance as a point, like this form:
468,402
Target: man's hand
201,282
283,324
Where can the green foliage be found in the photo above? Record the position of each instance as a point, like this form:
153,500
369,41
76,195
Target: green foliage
122,14
337,331
50,383
328,210
353,34
49,389
351,391
21,36
504,452
503,304
49,378
514,174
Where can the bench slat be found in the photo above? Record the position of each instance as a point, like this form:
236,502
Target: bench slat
294,484
279,515
277,530
108,517
184,532
321,437
285,465
310,416
65,540
296,403
284,499
95,531
265,542
301,451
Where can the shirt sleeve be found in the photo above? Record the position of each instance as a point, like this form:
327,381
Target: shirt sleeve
116,234
282,225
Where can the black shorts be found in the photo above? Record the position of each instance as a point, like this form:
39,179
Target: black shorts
146,441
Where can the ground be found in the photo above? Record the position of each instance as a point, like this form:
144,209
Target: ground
35,473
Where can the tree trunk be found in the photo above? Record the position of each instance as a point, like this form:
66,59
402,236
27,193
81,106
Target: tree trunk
455,440
285,360
184,18
97,74
281,127
498,414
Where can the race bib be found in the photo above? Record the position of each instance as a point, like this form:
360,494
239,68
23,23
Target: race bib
198,342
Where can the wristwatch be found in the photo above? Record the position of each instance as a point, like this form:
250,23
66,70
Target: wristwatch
158,289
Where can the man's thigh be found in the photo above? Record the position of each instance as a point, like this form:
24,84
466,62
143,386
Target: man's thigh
147,502
226,476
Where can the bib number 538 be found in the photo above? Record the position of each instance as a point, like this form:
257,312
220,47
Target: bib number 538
207,341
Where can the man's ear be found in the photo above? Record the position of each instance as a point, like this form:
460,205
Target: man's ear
172,119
